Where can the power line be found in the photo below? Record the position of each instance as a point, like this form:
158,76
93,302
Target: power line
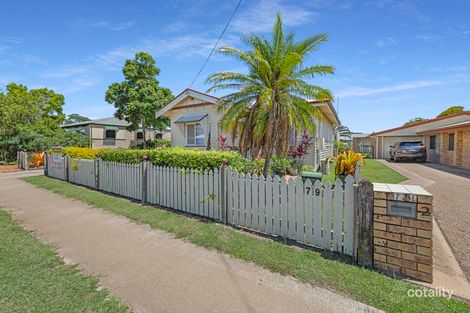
217,42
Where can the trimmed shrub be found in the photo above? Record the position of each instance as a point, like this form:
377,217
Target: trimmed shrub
183,158
81,153
282,166
178,157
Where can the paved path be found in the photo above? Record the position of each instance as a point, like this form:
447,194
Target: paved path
151,270
451,189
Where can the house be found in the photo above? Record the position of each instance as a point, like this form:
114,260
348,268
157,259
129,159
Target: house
110,133
364,144
447,139
195,123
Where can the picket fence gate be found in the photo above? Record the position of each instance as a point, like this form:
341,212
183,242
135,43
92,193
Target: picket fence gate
318,215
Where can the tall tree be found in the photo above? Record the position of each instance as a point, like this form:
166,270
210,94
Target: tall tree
37,109
452,110
270,101
139,96
75,118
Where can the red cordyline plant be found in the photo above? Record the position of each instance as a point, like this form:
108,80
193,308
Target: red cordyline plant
222,143
302,147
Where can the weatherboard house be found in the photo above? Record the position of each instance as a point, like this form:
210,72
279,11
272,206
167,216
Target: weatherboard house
195,123
111,133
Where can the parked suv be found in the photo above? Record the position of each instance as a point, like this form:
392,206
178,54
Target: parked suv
409,150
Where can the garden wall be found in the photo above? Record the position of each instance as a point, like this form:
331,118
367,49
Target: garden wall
403,231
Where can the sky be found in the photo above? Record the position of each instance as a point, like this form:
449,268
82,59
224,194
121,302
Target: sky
394,59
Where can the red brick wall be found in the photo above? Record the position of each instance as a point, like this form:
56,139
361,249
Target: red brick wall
403,246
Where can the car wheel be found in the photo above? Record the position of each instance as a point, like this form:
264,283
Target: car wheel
397,160
422,160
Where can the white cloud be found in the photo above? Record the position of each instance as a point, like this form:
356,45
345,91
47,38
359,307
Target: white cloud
12,40
364,91
259,17
102,24
385,42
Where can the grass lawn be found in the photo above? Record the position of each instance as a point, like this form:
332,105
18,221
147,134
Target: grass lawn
374,171
360,284
34,279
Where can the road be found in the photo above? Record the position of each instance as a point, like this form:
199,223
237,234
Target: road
150,269
451,190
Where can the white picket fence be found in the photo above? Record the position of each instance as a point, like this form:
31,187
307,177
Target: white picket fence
121,179
312,214
56,169
192,191
316,215
82,172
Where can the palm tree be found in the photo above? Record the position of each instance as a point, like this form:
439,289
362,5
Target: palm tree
270,101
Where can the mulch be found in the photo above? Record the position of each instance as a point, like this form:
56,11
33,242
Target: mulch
9,168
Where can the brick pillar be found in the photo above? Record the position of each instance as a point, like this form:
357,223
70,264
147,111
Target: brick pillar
403,231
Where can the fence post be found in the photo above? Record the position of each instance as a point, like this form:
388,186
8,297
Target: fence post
96,165
364,202
46,164
357,173
26,165
144,166
223,192
66,167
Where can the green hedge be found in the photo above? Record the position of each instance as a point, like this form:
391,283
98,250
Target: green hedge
178,157
184,158
81,153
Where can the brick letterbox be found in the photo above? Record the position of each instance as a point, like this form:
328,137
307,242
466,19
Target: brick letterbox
403,231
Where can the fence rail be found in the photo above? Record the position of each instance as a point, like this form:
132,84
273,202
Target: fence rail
306,212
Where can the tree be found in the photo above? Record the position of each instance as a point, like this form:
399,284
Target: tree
75,118
37,109
452,110
415,120
33,140
139,96
270,101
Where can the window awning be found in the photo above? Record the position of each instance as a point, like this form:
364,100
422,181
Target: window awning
77,129
191,118
109,127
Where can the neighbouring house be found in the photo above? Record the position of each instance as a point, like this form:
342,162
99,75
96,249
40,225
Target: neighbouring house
111,133
195,123
364,144
447,139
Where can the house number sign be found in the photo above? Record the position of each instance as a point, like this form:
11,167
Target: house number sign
402,209
316,191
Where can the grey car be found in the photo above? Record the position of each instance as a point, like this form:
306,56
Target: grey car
408,150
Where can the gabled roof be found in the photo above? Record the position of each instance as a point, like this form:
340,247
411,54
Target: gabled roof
111,121
421,126
327,109
184,94
464,124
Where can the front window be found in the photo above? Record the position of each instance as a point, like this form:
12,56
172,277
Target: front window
110,134
195,135
451,141
432,142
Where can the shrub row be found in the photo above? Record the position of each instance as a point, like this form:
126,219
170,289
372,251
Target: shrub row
184,158
81,153
177,157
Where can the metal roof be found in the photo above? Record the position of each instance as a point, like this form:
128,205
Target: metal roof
112,121
191,118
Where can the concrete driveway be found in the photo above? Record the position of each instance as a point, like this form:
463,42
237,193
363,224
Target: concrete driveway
451,189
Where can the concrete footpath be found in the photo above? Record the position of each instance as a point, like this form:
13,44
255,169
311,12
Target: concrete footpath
151,270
